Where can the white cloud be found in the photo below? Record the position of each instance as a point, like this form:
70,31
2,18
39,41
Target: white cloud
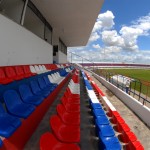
143,23
94,37
104,21
130,35
97,46
111,38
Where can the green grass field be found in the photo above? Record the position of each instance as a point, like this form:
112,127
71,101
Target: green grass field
140,76
133,73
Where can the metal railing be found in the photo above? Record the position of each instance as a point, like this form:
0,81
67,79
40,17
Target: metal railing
139,89
83,60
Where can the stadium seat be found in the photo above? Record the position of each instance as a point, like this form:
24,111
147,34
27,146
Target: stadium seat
19,72
70,108
32,69
127,137
3,78
48,83
43,85
8,123
1,143
98,112
10,72
110,143
67,118
49,142
60,129
105,131
101,120
27,71
36,89
71,100
15,106
28,97
136,145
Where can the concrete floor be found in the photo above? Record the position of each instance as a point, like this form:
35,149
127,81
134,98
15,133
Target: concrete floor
137,126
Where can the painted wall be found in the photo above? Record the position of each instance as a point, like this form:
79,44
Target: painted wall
62,58
142,111
20,46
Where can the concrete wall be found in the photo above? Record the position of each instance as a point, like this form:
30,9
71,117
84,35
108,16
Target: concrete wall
142,111
62,58
20,46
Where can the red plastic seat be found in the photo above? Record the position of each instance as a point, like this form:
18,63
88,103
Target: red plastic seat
71,100
19,71
49,142
27,71
115,115
64,133
128,137
69,94
136,145
122,126
68,118
10,72
71,108
3,78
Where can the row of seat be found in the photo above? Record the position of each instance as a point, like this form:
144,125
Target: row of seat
125,133
12,73
22,97
104,129
65,125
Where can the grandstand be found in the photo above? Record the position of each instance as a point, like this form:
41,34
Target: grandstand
47,103
116,65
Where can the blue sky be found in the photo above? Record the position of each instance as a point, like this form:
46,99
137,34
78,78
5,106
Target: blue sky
121,33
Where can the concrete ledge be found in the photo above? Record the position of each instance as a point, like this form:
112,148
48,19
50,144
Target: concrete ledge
139,109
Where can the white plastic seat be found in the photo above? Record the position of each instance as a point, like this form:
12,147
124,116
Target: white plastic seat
32,69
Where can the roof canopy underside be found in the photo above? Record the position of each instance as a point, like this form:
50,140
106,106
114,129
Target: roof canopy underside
73,20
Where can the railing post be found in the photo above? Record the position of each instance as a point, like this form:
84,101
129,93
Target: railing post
140,90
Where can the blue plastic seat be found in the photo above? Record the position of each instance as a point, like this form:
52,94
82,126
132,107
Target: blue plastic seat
105,131
43,85
96,106
98,112
110,143
28,97
36,89
102,120
1,143
48,83
8,123
15,106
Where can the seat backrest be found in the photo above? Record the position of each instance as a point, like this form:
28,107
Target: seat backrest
55,122
44,68
32,69
34,86
1,109
10,72
26,69
41,68
47,141
46,80
50,79
2,74
60,109
11,98
37,69
19,70
42,83
25,91
64,101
